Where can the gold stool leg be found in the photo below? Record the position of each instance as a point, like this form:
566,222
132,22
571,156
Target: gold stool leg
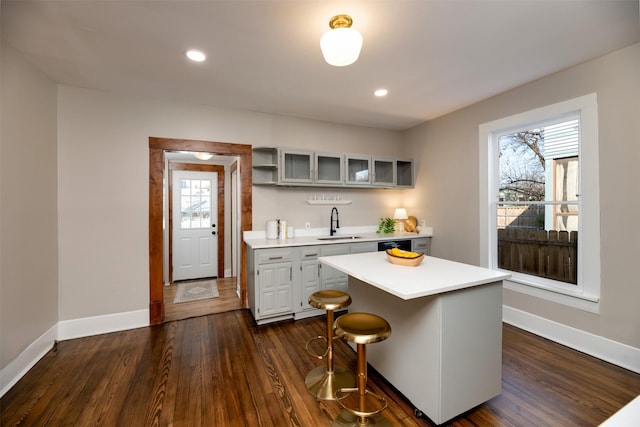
323,382
349,419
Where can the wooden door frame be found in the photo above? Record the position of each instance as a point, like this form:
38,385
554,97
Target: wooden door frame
232,211
199,167
157,147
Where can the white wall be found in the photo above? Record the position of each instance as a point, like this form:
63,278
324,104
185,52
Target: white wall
447,190
28,213
103,185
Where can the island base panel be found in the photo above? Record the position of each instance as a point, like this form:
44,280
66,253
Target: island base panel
445,351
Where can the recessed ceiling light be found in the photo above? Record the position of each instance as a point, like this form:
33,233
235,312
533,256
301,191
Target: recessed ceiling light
381,92
196,55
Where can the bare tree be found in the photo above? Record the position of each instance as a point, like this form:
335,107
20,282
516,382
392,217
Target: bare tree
522,166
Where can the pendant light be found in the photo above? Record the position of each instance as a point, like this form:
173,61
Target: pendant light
341,44
203,156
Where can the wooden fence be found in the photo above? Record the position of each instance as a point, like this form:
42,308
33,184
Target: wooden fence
550,254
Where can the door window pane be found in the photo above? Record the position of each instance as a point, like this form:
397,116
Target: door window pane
195,203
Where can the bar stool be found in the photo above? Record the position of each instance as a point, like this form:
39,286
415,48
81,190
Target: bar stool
323,381
361,329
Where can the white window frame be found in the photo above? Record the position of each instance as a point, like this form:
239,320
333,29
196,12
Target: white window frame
586,294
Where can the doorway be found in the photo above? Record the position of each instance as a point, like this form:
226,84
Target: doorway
196,236
157,148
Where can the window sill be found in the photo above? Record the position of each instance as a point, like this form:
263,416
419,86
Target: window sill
581,301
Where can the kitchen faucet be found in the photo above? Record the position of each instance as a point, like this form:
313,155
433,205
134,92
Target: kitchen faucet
332,230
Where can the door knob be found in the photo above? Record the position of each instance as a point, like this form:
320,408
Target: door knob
213,232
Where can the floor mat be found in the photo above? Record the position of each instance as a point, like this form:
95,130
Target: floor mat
195,291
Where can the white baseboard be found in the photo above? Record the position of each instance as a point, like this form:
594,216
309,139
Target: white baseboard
77,328
227,272
11,374
608,350
65,330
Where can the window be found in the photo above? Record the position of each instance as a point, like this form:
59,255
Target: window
195,203
540,201
538,205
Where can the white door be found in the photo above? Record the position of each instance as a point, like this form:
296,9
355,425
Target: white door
195,239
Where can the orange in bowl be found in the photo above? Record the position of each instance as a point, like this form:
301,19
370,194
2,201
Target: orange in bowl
407,260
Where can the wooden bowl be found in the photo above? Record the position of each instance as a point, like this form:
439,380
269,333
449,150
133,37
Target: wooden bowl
409,262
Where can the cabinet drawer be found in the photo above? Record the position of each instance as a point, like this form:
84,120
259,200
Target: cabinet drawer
267,256
360,247
420,245
309,252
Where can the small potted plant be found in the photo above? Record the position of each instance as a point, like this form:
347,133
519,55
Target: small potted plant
387,225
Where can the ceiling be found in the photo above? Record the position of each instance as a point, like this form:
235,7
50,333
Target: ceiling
434,57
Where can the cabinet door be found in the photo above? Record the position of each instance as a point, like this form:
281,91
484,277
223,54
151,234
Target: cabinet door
309,275
329,168
404,173
310,270
358,169
296,166
384,172
275,287
330,277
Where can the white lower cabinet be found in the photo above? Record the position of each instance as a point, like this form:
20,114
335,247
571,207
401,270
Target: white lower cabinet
275,282
270,279
315,276
330,278
309,281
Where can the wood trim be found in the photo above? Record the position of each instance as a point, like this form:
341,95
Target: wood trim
232,211
157,147
200,167
156,281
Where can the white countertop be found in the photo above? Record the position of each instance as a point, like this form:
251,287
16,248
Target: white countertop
625,417
257,240
433,276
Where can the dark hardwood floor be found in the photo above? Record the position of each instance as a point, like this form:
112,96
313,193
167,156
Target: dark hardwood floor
223,370
227,301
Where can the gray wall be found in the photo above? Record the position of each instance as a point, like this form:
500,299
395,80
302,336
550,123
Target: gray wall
28,212
447,189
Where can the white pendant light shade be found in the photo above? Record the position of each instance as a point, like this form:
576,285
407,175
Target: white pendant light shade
203,156
341,45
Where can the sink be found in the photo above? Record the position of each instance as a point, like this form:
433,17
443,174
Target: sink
339,238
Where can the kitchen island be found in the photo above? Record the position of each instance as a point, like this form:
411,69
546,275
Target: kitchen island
445,351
